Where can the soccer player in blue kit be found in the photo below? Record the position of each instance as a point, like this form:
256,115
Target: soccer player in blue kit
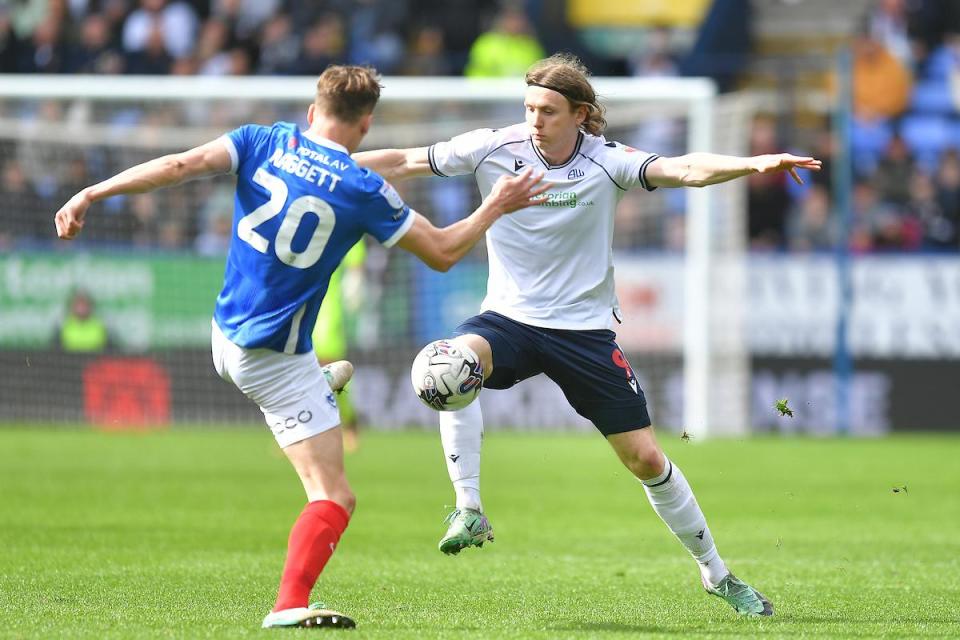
301,204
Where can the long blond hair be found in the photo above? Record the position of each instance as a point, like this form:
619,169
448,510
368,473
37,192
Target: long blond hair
565,74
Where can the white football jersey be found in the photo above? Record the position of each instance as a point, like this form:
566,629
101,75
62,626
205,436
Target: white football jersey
550,265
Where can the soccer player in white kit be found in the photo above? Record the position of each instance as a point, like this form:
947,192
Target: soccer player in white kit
550,305
301,204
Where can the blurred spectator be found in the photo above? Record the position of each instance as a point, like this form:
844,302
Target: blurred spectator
948,184
881,83
240,63
94,53
46,51
888,24
188,66
217,223
212,53
279,46
8,42
812,225
723,45
656,59
175,22
892,176
21,206
152,58
824,149
323,44
145,223
875,225
425,56
459,21
507,50
214,240
767,197
930,20
171,235
934,227
949,58
81,330
246,17
28,15
374,28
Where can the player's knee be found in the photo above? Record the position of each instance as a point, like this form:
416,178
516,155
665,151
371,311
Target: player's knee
645,462
481,347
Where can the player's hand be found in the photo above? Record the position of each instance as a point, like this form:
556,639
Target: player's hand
519,192
69,219
785,162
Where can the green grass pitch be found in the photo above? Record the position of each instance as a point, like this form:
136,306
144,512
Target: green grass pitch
181,535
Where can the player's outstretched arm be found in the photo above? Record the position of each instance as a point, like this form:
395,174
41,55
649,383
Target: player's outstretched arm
205,160
703,169
440,249
396,164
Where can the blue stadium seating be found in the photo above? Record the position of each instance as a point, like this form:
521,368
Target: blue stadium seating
933,97
927,136
868,141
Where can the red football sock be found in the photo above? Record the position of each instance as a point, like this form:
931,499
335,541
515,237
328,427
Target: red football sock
312,540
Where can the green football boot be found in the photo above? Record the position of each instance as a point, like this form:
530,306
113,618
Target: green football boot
468,528
744,599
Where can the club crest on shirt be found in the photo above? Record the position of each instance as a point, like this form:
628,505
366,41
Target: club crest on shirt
573,174
391,196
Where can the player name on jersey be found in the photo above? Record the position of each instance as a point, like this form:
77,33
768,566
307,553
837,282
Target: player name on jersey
302,168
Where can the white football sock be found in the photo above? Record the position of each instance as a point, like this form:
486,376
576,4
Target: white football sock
673,500
461,433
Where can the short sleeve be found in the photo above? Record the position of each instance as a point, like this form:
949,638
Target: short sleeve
462,154
242,141
628,166
386,216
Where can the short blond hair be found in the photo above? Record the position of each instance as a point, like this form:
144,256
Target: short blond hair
565,74
348,92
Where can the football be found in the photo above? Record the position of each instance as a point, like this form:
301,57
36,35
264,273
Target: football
446,376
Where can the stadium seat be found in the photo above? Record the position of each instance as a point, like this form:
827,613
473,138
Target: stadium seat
954,142
868,141
938,65
932,97
927,136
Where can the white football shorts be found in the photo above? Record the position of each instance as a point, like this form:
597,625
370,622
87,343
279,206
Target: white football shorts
291,390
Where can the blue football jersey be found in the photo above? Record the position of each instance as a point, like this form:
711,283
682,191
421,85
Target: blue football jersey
301,204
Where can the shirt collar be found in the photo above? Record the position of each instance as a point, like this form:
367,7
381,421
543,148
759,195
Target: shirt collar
325,142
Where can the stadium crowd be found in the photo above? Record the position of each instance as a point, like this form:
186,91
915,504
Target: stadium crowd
906,133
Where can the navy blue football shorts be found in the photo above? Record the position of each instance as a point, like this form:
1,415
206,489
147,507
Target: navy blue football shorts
589,367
